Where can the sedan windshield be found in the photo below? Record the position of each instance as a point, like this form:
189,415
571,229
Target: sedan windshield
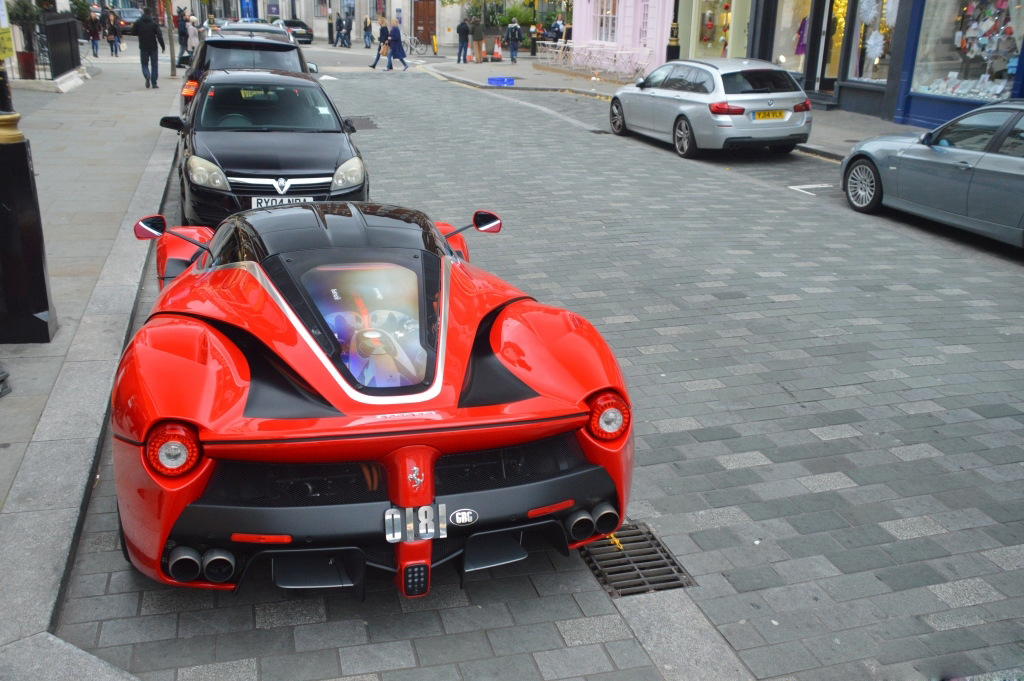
271,108
753,82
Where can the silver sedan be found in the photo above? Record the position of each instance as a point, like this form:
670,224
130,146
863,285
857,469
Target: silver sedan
968,173
715,104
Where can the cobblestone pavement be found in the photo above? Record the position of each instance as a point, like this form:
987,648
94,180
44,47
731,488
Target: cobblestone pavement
830,422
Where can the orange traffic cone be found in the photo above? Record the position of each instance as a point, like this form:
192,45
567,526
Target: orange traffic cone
497,50
469,55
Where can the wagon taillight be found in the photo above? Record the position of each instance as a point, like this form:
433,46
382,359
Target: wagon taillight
609,416
173,449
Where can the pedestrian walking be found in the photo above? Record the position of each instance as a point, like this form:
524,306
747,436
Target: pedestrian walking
193,37
347,32
148,33
514,36
463,30
339,23
478,40
93,30
396,50
382,41
182,32
367,31
113,35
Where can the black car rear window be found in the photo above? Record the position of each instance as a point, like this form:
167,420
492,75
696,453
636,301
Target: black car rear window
274,57
295,23
753,82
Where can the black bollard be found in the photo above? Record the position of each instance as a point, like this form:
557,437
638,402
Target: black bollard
26,311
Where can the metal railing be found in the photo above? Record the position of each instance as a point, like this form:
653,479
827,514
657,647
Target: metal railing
54,49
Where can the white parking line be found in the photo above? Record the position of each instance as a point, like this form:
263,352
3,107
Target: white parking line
803,187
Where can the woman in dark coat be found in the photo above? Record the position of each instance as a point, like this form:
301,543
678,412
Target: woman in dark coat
396,49
113,35
382,40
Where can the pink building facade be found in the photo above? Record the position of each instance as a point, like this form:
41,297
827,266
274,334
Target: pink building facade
640,25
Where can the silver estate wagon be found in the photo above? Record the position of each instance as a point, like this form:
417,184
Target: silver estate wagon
715,104
968,173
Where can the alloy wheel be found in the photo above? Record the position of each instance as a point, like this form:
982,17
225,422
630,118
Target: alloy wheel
618,119
683,137
860,186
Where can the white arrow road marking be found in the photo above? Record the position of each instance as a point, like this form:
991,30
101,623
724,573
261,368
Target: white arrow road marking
803,187
326,77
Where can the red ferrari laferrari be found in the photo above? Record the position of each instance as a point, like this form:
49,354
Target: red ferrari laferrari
333,388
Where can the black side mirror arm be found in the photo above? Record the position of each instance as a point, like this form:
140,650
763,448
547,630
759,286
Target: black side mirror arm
190,240
460,230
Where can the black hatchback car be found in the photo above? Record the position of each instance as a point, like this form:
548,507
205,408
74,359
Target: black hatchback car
254,139
232,50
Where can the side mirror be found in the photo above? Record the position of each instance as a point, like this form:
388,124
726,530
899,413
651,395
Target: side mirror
485,221
313,68
150,227
348,126
640,82
926,139
173,123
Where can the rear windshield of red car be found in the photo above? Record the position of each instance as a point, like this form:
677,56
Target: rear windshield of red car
759,81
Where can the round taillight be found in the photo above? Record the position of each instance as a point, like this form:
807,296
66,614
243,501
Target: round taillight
609,416
172,449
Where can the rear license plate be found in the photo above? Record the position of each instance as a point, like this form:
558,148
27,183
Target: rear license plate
768,115
265,201
412,524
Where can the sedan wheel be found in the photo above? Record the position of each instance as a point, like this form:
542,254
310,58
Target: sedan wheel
682,137
617,118
863,186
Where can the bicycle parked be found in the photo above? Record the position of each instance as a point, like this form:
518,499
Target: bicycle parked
412,45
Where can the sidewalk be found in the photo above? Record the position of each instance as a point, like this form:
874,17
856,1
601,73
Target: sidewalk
101,163
832,134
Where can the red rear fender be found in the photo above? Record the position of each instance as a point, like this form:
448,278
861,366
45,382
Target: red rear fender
555,352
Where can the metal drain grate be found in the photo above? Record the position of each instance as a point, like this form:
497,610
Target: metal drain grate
363,122
633,561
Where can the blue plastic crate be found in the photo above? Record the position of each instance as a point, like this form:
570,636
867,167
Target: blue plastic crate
501,82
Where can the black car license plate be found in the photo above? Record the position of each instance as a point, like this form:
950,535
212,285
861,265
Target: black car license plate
412,524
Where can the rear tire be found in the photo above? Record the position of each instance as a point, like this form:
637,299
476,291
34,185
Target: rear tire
782,148
617,119
863,186
683,139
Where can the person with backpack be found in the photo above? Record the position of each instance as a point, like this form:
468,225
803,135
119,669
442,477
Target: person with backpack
514,36
463,30
148,33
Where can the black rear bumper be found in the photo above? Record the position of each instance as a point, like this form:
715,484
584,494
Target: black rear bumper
752,142
361,525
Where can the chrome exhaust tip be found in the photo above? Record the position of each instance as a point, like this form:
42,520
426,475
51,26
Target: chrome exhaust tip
218,565
579,525
183,564
606,518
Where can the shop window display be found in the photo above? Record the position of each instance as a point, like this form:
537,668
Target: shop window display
720,28
792,32
968,48
872,43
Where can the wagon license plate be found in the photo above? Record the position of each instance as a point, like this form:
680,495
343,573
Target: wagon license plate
412,524
768,115
265,201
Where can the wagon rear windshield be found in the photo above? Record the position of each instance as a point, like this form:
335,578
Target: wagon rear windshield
759,81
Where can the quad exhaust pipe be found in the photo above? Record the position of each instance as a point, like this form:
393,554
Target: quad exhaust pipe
606,518
184,564
218,565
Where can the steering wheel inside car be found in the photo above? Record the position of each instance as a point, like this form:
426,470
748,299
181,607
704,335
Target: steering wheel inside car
234,120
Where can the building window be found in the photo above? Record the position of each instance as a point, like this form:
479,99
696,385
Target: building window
320,9
606,17
645,11
792,32
720,28
968,48
872,42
